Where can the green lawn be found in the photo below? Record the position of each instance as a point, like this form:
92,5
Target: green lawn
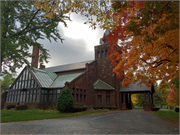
169,115
36,114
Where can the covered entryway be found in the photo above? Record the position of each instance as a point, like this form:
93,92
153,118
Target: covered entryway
125,96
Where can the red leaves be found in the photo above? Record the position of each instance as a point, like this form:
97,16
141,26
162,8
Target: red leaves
142,53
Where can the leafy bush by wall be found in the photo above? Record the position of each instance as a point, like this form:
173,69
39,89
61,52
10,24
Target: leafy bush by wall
104,107
155,109
65,101
20,107
10,106
79,109
176,109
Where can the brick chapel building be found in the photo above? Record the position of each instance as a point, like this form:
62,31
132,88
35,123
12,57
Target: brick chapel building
92,83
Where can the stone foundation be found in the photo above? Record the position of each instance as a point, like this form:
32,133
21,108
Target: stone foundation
35,105
123,106
147,107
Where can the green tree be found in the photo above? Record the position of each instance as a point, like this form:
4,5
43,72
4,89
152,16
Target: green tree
7,80
157,99
22,24
65,101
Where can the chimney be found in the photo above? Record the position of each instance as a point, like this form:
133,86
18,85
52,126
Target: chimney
34,62
42,66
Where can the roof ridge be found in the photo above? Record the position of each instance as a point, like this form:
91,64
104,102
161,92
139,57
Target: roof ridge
70,64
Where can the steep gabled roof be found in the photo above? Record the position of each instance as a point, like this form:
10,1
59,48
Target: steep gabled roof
61,80
45,78
68,67
100,85
51,80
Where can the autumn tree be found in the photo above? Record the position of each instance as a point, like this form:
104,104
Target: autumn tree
144,36
22,25
96,13
144,45
173,96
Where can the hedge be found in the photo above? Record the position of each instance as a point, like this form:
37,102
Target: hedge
10,106
155,109
104,107
176,109
20,107
79,109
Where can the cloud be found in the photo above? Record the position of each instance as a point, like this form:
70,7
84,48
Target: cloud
78,45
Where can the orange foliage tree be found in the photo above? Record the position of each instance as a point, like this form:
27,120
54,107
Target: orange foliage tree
173,97
144,45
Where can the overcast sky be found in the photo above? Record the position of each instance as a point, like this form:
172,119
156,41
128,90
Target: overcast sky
78,45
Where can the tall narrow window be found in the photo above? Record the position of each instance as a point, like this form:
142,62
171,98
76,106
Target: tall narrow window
85,98
99,96
106,53
77,94
37,96
107,96
27,96
81,98
102,54
98,54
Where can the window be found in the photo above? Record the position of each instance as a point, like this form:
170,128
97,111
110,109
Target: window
37,96
106,53
76,97
99,92
72,90
27,96
102,54
58,92
81,98
25,81
99,98
77,90
98,54
34,96
107,96
85,98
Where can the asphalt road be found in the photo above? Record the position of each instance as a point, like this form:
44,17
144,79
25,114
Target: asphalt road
124,122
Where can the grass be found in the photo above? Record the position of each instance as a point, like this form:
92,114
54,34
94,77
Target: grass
169,115
37,114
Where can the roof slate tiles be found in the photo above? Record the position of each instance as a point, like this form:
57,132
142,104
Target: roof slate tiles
51,80
134,87
73,66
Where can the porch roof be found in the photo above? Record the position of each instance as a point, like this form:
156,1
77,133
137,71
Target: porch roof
134,88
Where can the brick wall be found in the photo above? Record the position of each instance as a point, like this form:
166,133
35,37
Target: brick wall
112,99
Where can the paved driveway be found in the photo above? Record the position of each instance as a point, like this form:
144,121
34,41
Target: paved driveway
124,122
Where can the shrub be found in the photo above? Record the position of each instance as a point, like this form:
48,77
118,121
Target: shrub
155,109
78,109
10,106
65,101
20,107
104,107
176,109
